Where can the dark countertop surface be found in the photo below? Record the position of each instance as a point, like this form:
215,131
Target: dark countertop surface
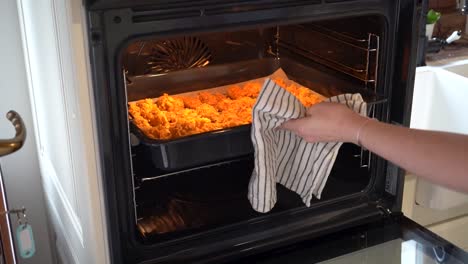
455,51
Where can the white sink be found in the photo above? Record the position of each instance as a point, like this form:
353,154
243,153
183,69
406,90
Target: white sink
440,102
440,99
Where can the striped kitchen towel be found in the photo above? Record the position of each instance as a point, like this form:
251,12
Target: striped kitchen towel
283,157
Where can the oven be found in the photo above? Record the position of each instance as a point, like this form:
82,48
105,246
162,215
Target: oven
183,197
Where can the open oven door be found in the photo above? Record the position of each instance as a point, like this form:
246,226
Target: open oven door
397,240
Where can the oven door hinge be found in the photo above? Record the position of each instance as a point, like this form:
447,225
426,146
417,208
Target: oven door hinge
388,215
383,208
385,211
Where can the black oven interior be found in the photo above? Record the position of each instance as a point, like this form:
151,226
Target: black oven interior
331,57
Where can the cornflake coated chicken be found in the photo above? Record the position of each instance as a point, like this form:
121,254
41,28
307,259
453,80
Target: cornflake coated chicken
169,103
208,111
210,98
169,117
250,89
239,112
305,95
191,102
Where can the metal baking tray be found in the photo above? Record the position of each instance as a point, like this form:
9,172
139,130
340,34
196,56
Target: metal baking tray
196,150
214,146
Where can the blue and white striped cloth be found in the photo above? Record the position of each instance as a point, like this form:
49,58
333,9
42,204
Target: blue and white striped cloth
285,158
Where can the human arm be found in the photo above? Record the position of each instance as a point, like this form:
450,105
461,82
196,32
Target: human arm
439,157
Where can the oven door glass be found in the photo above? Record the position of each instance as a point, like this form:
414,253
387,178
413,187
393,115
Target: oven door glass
401,242
396,251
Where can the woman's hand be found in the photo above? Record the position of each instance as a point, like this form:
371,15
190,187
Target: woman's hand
327,122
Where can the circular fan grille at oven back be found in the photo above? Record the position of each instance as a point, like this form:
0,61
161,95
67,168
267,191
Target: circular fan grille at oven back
178,54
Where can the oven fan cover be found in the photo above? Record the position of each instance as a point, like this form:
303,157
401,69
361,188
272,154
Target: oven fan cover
177,54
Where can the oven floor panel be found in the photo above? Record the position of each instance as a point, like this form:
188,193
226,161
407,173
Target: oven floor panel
195,201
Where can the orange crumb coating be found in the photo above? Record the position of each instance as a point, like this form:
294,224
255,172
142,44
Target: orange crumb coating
305,95
169,117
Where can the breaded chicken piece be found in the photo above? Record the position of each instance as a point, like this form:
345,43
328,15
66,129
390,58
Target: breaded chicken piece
251,89
305,95
238,113
224,104
208,111
191,102
169,103
210,98
235,92
189,124
246,102
159,133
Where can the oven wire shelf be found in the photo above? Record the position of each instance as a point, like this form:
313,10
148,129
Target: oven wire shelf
354,56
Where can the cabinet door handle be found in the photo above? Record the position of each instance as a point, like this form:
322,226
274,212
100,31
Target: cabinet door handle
8,146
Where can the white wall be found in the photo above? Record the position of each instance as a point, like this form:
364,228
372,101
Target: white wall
21,169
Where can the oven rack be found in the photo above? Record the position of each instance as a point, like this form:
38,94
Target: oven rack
217,164
140,181
365,155
355,56
343,50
